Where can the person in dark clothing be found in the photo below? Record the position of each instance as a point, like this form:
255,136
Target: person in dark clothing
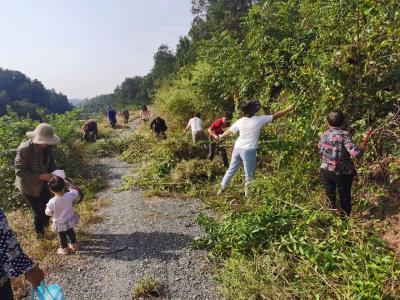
112,116
14,262
336,148
125,114
90,127
216,129
159,127
33,164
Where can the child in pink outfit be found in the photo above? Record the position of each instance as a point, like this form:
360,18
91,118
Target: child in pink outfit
64,216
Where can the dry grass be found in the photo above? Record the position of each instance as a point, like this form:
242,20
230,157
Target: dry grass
147,287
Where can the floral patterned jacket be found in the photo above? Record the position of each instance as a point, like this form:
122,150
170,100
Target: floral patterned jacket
336,148
13,261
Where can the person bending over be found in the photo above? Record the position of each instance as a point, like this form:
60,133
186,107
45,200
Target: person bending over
336,148
214,131
245,148
159,127
197,127
90,127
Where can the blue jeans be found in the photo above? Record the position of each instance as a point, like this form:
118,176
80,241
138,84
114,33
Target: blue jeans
248,156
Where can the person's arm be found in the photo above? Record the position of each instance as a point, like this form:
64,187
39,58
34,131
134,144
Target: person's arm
227,132
12,256
211,133
187,127
152,123
49,211
352,148
52,163
281,113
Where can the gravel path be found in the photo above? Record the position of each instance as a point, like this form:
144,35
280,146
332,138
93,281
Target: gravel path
138,237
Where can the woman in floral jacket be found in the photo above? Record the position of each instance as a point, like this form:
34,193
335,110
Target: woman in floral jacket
336,148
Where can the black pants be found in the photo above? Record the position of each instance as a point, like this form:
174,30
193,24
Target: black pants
38,206
161,134
343,183
62,236
6,292
214,148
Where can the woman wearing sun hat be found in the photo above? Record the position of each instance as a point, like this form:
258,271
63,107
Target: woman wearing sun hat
34,164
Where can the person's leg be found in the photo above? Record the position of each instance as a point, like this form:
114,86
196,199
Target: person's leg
6,292
36,206
85,135
249,164
224,156
212,148
344,186
45,196
329,182
234,166
62,236
71,235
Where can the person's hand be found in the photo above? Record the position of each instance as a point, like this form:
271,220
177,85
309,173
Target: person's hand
45,177
367,136
35,276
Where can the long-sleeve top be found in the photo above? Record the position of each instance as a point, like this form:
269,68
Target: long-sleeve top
111,114
158,125
30,162
13,261
336,148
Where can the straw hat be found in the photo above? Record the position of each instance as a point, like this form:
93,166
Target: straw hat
43,134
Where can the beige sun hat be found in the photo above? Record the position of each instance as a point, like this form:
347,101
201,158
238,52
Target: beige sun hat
43,134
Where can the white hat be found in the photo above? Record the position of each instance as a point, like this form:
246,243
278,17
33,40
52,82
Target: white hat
59,173
43,134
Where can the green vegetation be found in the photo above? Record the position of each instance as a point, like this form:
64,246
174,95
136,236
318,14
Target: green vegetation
28,97
147,287
283,242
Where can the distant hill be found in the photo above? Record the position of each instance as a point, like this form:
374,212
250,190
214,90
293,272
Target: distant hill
29,97
76,102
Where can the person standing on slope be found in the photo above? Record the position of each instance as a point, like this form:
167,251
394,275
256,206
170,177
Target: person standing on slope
125,115
196,124
144,114
112,116
336,148
215,130
249,128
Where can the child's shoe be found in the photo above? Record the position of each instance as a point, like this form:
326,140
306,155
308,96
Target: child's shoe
63,251
74,246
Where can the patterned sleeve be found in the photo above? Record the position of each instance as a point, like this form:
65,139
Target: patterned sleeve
352,148
21,165
13,261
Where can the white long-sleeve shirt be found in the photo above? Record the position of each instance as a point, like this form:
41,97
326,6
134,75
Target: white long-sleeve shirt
61,208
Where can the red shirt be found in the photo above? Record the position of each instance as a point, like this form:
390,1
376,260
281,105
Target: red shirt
218,126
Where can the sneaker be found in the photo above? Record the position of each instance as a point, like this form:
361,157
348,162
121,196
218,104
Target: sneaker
74,246
63,251
220,191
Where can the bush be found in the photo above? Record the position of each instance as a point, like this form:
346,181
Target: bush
196,171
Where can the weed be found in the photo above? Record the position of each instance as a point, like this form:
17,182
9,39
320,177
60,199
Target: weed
147,287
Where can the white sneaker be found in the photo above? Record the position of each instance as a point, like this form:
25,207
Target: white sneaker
220,191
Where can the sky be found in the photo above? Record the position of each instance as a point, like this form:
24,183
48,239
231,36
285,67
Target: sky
84,48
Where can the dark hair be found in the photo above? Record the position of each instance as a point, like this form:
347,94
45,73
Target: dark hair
336,118
57,184
197,114
144,107
250,107
228,115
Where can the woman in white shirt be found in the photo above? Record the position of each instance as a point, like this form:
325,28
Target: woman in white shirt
249,128
196,124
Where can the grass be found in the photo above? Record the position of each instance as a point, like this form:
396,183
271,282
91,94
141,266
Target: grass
282,242
147,287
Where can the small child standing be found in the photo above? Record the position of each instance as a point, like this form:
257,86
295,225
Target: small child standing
64,216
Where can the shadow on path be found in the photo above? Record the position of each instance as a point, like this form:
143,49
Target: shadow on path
137,246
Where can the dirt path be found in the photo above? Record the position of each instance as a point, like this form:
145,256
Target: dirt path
138,237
